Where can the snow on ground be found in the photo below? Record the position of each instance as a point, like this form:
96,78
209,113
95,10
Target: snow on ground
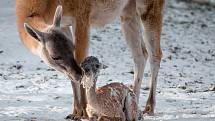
30,90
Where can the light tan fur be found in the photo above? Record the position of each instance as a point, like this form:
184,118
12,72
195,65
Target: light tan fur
112,101
82,14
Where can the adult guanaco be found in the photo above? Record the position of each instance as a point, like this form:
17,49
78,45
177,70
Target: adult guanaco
82,15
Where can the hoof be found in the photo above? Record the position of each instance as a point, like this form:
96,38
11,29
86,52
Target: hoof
70,116
74,117
149,110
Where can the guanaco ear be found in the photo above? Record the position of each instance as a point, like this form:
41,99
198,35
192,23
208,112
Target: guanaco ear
57,16
33,32
102,66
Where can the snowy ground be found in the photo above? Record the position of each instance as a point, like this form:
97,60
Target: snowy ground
29,90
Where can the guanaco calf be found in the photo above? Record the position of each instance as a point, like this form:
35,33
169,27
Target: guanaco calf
113,100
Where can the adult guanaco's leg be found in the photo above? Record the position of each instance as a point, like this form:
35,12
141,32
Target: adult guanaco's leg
76,87
81,51
82,30
79,101
151,12
131,27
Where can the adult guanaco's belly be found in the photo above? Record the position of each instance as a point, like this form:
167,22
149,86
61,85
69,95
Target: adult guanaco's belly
102,12
105,11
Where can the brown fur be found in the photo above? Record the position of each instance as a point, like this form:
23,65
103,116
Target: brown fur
39,13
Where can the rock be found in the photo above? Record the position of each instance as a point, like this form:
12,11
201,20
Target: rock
204,26
21,86
38,68
191,91
182,87
208,59
145,88
169,57
196,59
146,75
131,72
212,88
57,97
18,67
50,69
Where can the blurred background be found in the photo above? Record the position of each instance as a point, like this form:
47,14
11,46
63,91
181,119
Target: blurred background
31,91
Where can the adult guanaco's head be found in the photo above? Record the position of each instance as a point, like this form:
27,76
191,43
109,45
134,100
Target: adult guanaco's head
57,50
